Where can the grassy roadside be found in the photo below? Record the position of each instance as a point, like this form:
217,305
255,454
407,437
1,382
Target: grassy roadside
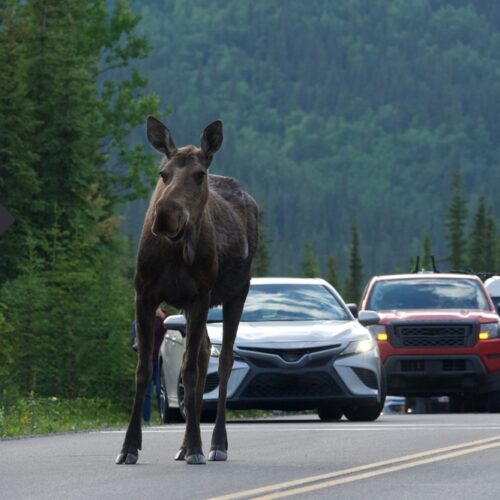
37,415
48,415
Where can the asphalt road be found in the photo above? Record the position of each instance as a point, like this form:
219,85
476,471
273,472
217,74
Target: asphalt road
396,457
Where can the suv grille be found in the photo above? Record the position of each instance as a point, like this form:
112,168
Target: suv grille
433,335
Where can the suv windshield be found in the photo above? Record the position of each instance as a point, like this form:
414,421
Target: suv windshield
287,302
432,293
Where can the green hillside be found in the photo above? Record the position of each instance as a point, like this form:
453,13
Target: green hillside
337,112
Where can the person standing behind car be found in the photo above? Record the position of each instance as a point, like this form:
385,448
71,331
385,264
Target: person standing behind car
159,334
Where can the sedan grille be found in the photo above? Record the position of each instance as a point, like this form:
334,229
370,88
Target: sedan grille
289,355
368,377
278,385
433,335
212,382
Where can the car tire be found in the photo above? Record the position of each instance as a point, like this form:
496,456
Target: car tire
330,413
469,404
364,412
208,416
456,404
180,399
167,415
494,402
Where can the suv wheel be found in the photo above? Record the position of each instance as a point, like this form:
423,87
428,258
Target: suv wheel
494,402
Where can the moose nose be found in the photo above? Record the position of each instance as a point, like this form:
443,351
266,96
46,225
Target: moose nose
169,220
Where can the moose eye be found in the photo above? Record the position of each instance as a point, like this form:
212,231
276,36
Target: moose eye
164,176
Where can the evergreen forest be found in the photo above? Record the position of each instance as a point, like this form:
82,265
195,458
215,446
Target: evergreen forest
367,131
337,112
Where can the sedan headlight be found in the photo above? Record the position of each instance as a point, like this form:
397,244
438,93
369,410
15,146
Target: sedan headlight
359,347
489,331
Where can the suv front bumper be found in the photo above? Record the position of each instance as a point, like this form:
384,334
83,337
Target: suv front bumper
430,375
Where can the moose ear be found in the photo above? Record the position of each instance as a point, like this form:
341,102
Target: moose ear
211,138
160,138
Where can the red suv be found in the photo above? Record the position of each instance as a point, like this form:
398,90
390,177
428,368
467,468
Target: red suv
438,334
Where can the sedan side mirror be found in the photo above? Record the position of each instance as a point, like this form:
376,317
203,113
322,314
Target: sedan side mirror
368,318
176,322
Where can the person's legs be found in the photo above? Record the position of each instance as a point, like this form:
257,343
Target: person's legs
146,411
156,382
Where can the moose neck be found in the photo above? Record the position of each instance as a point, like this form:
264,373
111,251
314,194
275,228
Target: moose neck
199,239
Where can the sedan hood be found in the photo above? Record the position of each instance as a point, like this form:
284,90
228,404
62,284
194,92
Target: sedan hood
295,334
438,315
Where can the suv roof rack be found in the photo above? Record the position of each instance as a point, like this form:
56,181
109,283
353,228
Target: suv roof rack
423,270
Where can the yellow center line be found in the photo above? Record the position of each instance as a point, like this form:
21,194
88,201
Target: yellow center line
366,475
418,459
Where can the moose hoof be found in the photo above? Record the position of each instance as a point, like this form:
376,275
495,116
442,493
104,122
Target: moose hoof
127,458
196,459
180,455
217,456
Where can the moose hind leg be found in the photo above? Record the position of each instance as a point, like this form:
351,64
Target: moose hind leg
129,453
231,318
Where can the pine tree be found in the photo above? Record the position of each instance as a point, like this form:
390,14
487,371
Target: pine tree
426,253
261,261
332,276
63,126
310,265
477,255
354,279
457,213
68,302
19,183
490,242
63,94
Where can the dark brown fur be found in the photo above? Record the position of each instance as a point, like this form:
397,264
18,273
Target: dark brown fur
197,244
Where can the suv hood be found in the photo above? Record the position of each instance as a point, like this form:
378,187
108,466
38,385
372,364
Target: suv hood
297,334
438,315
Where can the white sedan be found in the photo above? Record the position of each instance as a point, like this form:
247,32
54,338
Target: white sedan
298,347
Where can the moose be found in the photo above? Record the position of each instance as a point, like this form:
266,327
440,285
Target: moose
196,248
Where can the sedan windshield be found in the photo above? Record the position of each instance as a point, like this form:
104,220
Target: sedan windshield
427,294
288,302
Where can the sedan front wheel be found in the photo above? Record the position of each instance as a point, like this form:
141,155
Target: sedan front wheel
329,413
167,414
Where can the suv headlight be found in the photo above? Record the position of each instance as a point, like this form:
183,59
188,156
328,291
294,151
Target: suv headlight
489,331
379,332
359,347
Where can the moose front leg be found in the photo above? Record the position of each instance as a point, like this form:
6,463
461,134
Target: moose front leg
195,362
231,318
145,312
